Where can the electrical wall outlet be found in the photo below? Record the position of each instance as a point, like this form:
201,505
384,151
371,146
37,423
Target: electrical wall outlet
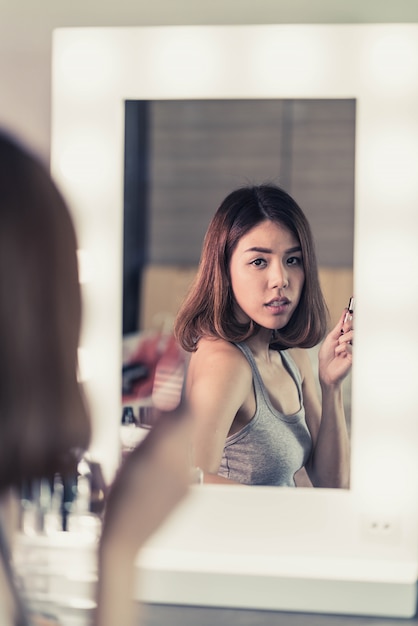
381,528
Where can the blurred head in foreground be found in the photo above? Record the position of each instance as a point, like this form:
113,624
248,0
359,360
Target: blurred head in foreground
44,423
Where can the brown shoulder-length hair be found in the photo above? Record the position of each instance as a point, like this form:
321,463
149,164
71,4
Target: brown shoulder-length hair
208,310
43,413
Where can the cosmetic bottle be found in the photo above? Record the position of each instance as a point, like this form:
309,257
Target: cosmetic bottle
81,519
131,430
53,522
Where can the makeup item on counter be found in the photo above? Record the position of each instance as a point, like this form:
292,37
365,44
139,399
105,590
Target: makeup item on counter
146,415
128,416
98,488
53,522
47,505
32,513
69,494
133,429
81,519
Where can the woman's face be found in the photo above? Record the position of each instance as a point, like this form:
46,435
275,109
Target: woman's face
267,275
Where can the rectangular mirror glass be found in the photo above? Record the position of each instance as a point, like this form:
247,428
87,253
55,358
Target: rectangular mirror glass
182,157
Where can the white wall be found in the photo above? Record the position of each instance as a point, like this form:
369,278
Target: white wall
26,27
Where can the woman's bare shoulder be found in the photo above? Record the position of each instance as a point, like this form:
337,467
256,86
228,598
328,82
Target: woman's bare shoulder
221,356
216,345
218,348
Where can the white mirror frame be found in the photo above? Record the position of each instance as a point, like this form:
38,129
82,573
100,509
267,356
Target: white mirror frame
298,550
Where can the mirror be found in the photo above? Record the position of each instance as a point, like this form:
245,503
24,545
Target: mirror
351,551
182,157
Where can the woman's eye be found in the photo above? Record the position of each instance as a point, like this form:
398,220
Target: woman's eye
294,260
258,262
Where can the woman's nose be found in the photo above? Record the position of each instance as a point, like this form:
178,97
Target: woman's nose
279,277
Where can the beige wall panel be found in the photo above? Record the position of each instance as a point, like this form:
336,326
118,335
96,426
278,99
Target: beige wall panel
337,287
164,288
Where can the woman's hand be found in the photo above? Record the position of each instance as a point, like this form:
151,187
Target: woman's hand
335,354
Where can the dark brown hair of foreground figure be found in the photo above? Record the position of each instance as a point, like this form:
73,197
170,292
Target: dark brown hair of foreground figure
44,423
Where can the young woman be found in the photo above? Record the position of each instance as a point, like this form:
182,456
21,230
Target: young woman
44,422
254,308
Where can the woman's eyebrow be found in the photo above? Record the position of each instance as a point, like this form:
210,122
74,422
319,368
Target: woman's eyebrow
259,249
270,251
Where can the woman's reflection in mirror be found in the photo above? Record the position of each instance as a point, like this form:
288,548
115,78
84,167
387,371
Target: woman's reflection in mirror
254,309
44,421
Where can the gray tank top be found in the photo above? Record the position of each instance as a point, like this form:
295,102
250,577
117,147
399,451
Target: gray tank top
272,446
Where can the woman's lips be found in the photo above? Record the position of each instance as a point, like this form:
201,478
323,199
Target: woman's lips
278,305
